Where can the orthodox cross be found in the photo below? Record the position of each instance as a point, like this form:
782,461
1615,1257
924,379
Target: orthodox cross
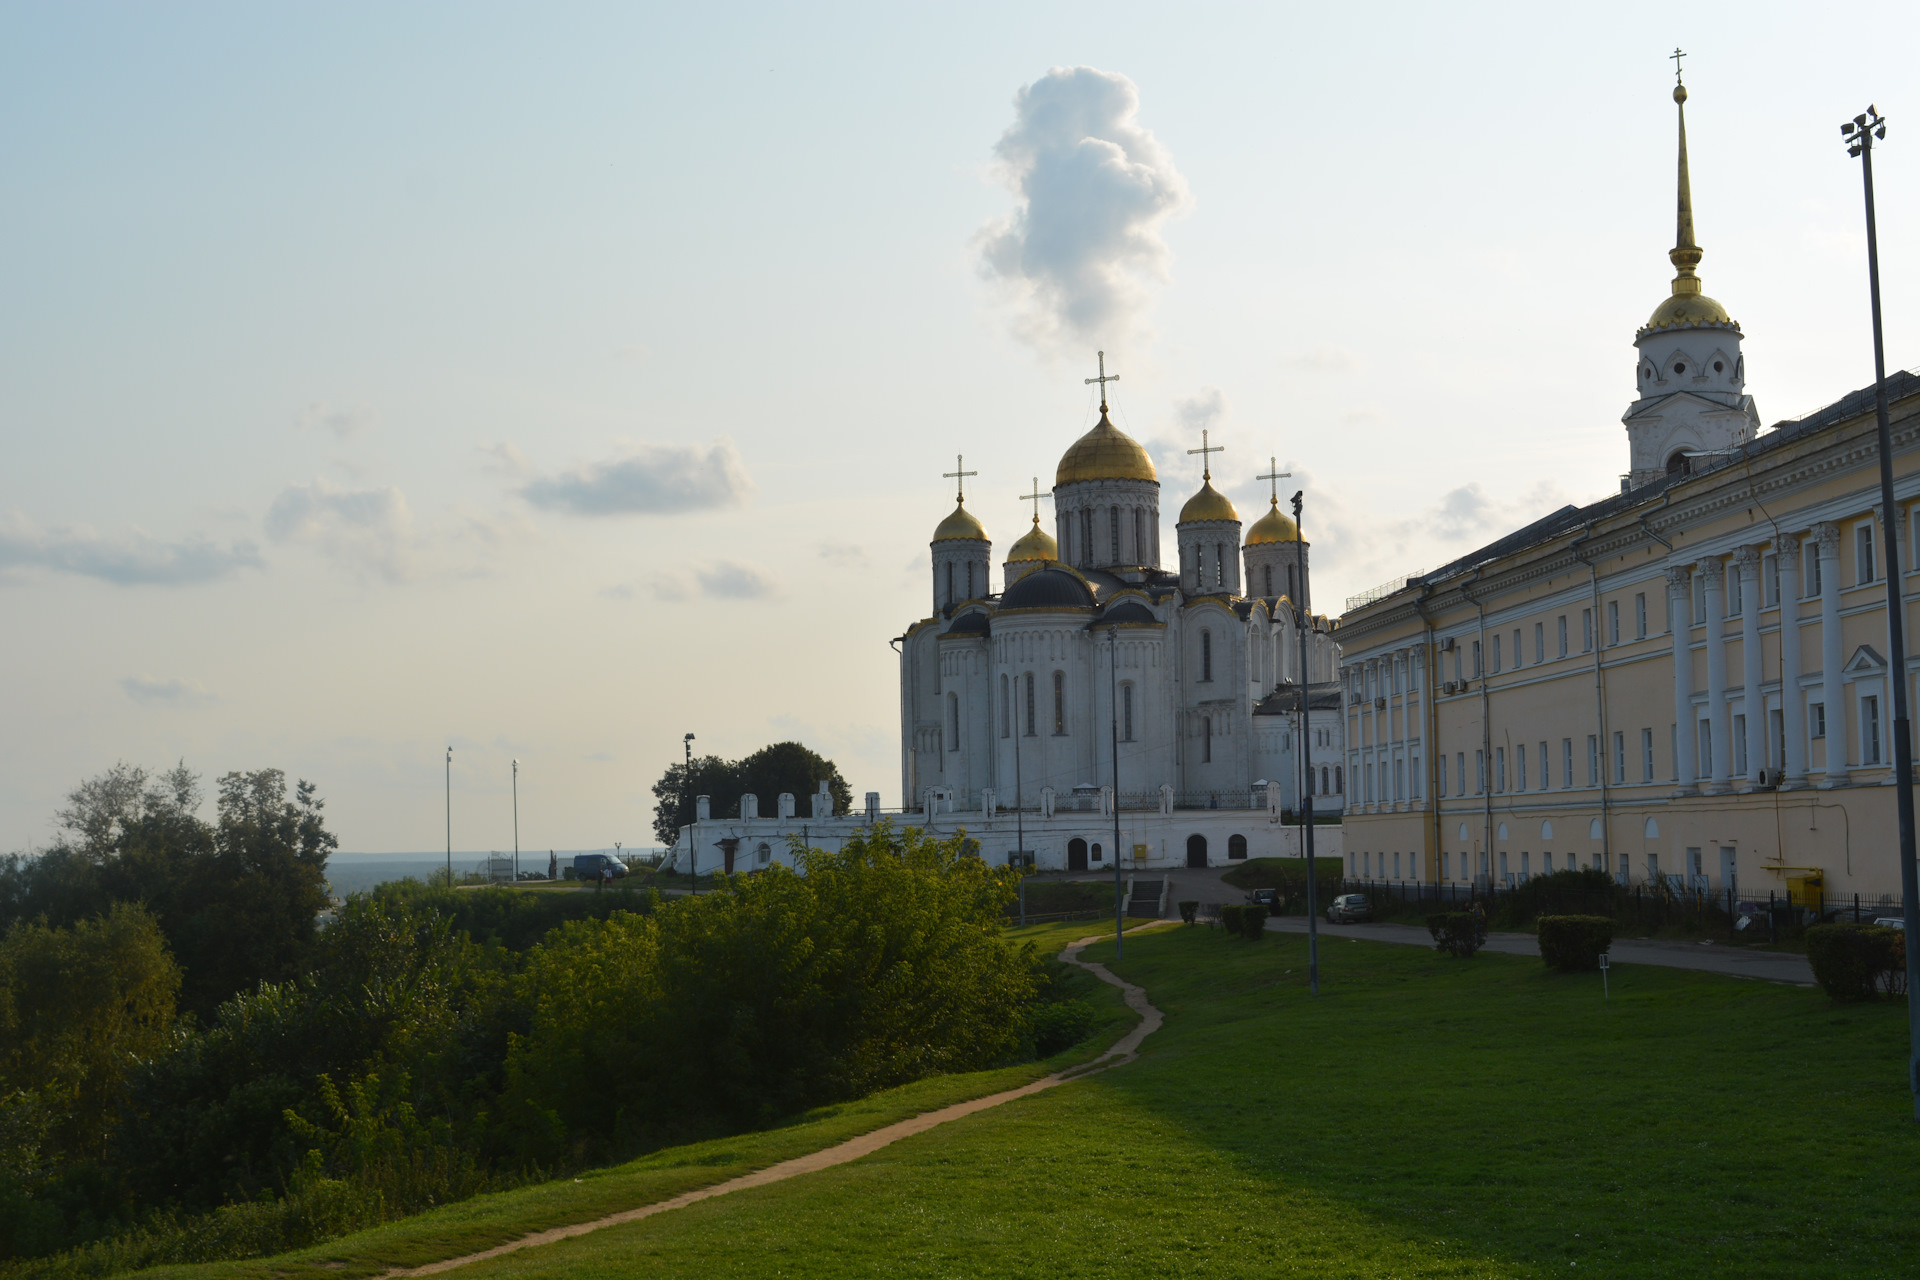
1103,379
1276,475
960,475
1035,497
1206,471
1675,57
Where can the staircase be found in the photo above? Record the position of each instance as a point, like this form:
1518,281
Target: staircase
1144,902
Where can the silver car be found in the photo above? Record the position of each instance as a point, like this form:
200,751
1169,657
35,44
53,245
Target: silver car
1349,907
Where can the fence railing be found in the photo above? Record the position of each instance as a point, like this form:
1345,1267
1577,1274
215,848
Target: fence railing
1649,905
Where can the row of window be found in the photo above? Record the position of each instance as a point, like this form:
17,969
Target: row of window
1082,536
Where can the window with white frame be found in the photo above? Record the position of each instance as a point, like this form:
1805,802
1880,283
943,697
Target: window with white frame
1496,653
1739,744
1870,728
1613,622
1566,762
1586,631
1563,635
1699,599
1770,578
1810,579
1640,616
1593,759
1546,778
1461,777
1479,773
1646,755
1863,562
1736,593
1619,759
1816,719
1539,642
1520,769
1499,770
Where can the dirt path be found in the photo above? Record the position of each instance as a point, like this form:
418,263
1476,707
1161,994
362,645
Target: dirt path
1123,1051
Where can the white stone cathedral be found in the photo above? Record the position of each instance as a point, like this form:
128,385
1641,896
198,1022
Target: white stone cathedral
1012,703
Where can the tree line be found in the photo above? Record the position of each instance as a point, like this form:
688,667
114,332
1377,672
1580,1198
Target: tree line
170,1095
767,773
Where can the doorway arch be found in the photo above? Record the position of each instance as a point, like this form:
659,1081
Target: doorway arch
1196,851
1076,854
1236,847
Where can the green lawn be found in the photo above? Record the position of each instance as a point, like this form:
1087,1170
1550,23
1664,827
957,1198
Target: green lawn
1422,1117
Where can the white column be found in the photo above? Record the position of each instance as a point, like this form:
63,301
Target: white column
1748,561
1826,538
1793,707
1680,623
1714,571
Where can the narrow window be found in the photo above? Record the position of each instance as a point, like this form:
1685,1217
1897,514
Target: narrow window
1476,659
1613,622
1030,704
1293,593
1699,614
1870,730
1546,778
1593,759
1461,761
1266,575
1006,712
1811,578
1770,578
1646,755
1740,745
1443,778
1539,642
1816,719
1863,553
971,594
1086,537
1520,769
1640,616
1059,702
1479,773
1496,653
1113,533
1586,631
1566,762
953,722
1139,536
1736,594
949,582
1206,739
1563,635
1219,565
1206,655
1499,770
1126,707
1339,782
1706,749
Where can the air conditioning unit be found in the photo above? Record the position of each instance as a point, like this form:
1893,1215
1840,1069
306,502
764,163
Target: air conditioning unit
1770,779
1379,704
1452,686
1446,646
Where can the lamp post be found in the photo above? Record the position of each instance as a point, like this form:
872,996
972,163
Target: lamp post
1113,709
516,822
1860,133
1306,758
693,826
449,817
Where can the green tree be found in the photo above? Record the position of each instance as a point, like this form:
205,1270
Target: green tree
783,766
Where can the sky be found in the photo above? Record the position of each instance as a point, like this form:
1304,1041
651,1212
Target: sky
550,381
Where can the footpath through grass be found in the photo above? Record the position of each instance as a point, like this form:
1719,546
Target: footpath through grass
1422,1117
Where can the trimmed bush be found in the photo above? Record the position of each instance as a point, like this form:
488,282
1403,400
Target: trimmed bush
1458,933
1574,943
1246,921
1856,961
1188,910
1230,915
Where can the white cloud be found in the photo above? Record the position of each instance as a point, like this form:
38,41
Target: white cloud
1321,360
132,559
502,456
844,554
714,580
1203,409
1082,249
342,422
368,530
654,479
173,692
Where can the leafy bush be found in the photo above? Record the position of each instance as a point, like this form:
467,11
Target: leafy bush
1246,921
1854,961
1188,910
1572,943
1458,933
1058,1026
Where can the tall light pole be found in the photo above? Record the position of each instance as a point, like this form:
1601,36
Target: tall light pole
1860,134
449,817
516,821
693,849
1306,757
1113,709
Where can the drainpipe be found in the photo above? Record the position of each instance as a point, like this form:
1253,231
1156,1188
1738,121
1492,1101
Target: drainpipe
1431,731
1486,730
1599,692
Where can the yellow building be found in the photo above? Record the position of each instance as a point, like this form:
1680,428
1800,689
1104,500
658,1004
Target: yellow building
1685,682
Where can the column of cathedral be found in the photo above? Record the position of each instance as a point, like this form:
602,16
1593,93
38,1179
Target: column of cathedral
1747,560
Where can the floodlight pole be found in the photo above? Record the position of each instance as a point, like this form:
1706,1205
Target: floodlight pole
1306,758
449,817
516,822
1113,709
1860,134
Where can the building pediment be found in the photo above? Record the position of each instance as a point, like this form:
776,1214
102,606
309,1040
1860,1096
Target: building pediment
1866,661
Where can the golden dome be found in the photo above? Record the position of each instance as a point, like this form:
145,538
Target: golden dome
1035,544
1689,311
1104,453
1208,504
1275,526
960,524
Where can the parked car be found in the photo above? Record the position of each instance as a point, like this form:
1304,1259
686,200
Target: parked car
586,866
1349,907
1892,922
1268,898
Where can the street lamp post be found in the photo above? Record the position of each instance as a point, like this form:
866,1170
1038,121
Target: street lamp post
1860,134
1306,758
693,827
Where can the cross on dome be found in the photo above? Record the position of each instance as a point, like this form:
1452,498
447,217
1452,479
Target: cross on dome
1103,380
1675,57
1035,497
959,474
1206,471
1276,475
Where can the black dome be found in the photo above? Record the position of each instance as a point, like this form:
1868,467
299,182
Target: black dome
972,622
1129,611
1048,589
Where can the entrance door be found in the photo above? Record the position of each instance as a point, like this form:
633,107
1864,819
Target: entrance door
1729,873
1076,855
1196,851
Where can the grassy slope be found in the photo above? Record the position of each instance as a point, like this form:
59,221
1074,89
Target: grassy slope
1423,1117
485,1221
1265,873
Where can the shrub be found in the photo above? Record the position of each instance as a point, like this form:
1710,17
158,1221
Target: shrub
1458,933
1060,1025
1573,943
1247,921
1852,962
1188,910
1230,914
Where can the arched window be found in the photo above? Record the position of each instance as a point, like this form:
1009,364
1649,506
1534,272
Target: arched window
1236,846
1096,853
1126,712
1113,533
1006,712
1206,739
1029,704
1266,573
1323,780
970,591
949,582
764,854
953,722
1059,702
1206,655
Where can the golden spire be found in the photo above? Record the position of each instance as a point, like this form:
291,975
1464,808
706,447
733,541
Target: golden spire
1685,255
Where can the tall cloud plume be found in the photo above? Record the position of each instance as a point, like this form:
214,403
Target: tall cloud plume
1082,249
133,559
654,479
